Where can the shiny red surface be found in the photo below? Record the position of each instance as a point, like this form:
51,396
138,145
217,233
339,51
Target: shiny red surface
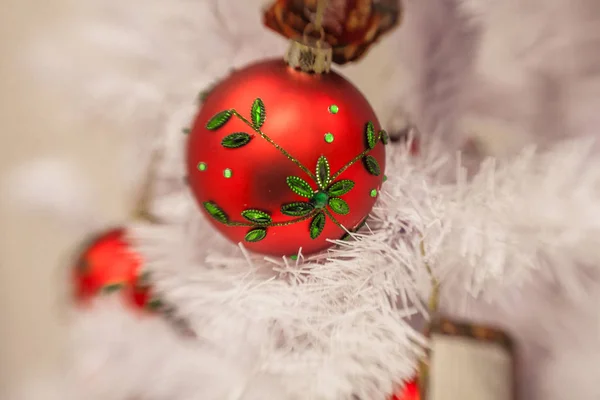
109,260
297,118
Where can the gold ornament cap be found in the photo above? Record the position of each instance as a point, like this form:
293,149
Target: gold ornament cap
310,55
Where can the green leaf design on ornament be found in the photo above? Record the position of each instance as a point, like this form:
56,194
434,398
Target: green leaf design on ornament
219,120
322,189
154,304
339,206
258,113
300,186
317,225
340,188
112,288
385,137
297,209
236,140
257,216
372,165
372,138
144,280
216,212
256,235
320,199
323,172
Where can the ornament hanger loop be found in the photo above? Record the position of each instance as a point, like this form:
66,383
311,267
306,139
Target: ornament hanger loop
317,26
309,54
313,28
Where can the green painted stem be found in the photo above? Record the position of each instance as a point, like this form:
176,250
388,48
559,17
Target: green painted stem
335,221
273,224
278,147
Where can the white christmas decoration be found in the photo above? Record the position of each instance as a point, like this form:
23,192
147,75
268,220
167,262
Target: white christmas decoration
514,241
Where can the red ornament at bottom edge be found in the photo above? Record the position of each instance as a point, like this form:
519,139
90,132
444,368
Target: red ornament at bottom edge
410,391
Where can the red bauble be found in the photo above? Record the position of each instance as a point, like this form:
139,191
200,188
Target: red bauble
108,264
281,159
410,391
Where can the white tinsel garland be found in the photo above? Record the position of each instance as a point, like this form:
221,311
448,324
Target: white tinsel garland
515,239
344,322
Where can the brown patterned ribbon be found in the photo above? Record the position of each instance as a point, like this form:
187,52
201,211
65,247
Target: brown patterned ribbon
351,26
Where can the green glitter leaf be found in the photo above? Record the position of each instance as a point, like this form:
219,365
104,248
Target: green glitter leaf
372,165
215,212
257,216
143,280
385,137
317,225
258,113
154,304
297,209
372,138
340,188
218,120
300,186
339,206
256,235
236,140
112,288
323,172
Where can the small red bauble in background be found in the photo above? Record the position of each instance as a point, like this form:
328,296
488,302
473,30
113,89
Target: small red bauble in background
410,391
281,159
108,264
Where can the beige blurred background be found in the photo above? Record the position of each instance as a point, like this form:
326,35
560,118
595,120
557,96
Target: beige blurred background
34,249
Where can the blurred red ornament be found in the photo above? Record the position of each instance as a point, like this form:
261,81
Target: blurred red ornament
410,391
281,159
351,27
108,264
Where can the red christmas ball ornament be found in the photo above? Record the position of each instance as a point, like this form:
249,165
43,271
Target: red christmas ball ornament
108,264
286,155
410,391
